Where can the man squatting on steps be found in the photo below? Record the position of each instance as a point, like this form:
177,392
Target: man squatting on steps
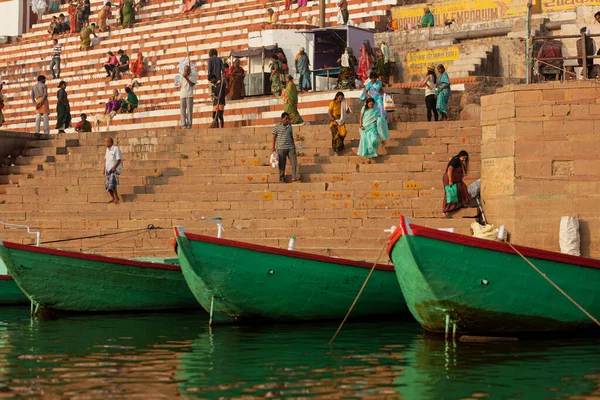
113,167
283,142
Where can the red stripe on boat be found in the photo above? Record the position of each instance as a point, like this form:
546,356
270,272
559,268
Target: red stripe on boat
90,257
285,252
502,247
6,278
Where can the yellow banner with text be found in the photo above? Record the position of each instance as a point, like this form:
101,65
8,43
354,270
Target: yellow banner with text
565,5
418,61
463,11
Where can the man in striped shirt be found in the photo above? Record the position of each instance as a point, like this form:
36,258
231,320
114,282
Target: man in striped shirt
283,143
56,50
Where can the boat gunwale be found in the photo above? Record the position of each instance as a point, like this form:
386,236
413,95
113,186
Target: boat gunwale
6,277
408,229
285,252
89,257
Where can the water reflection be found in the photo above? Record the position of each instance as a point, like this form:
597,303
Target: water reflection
177,355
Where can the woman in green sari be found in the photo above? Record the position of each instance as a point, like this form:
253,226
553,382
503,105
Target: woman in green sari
276,71
128,13
369,139
290,101
443,93
85,34
130,103
63,109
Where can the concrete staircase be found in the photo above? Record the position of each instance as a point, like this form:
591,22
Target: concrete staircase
160,33
478,59
176,177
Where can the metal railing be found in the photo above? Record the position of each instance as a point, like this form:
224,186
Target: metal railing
547,61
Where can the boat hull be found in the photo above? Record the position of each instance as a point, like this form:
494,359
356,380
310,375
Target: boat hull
10,293
488,290
75,282
266,283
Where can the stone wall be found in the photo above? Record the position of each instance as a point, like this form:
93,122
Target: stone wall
540,161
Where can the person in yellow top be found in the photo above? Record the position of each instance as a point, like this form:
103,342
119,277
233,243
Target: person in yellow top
271,16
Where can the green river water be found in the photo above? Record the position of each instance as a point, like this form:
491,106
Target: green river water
162,356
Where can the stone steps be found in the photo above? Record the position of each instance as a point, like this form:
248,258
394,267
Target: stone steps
340,207
223,25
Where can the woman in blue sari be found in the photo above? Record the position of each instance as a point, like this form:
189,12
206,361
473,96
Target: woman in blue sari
302,68
443,93
369,137
374,90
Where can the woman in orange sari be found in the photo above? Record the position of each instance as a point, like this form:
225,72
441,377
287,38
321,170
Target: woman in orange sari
138,67
236,81
72,11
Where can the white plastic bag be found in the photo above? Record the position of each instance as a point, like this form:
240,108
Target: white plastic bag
274,160
388,103
569,239
339,19
474,188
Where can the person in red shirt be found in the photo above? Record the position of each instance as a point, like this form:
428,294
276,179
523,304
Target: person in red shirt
550,68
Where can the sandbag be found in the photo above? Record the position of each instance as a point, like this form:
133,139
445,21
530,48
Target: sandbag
484,231
569,239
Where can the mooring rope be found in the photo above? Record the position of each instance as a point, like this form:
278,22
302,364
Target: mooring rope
111,242
358,295
149,228
554,284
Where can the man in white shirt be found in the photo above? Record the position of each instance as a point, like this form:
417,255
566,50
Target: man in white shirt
186,95
112,169
55,61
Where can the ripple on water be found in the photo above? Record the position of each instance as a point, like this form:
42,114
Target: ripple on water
157,356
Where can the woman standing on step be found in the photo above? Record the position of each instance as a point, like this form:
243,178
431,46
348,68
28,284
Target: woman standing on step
275,78
128,11
456,169
365,63
369,138
86,33
103,16
443,93
72,11
236,81
337,121
290,101
63,109
430,83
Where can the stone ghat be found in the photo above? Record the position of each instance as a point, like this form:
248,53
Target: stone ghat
175,177
163,36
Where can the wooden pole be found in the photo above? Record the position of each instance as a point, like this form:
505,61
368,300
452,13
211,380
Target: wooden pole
321,14
584,55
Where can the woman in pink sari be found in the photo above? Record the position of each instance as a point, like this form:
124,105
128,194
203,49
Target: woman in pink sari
365,63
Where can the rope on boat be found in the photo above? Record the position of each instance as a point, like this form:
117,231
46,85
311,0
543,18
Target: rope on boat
358,295
149,228
113,241
554,284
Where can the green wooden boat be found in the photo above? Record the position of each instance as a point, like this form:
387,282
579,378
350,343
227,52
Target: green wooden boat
76,282
242,281
452,281
10,294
